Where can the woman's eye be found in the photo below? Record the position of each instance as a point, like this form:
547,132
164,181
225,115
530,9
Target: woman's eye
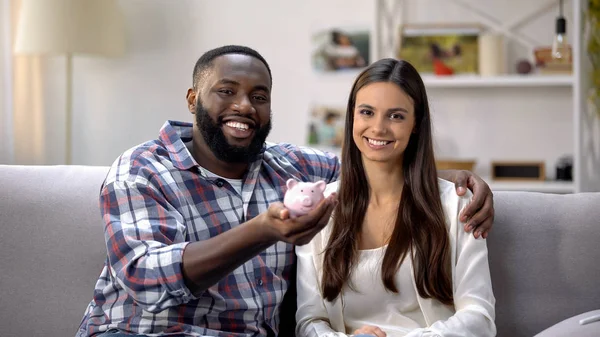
365,112
397,116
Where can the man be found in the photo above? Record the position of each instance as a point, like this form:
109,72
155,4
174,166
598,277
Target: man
198,241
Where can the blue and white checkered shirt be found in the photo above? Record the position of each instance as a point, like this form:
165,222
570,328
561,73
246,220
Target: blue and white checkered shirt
154,201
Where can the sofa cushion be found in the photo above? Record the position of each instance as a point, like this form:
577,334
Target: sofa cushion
544,252
51,246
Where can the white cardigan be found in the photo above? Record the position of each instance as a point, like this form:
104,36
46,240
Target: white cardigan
473,312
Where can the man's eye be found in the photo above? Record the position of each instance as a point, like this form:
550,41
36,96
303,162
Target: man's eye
260,98
226,91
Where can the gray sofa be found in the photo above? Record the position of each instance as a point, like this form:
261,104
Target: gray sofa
544,255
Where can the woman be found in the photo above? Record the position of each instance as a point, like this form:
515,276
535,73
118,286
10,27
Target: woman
394,260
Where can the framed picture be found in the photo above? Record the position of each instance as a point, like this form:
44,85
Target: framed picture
326,127
441,49
338,49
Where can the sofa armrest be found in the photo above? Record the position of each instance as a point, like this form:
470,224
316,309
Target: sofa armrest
572,327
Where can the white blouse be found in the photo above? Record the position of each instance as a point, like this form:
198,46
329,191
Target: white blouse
472,314
368,302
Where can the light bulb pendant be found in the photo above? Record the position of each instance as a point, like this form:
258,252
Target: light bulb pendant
561,52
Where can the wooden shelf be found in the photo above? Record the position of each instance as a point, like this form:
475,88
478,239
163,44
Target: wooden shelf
533,186
465,81
347,77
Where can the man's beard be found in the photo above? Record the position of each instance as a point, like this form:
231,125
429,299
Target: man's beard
214,137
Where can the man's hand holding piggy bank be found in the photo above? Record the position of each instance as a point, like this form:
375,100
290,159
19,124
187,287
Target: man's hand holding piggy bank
303,213
301,198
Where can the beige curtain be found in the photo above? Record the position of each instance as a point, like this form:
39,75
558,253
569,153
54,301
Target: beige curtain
29,121
41,98
6,124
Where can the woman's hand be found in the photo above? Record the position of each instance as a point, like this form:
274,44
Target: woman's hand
370,330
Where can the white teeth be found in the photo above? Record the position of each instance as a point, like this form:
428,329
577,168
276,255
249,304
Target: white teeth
377,142
237,125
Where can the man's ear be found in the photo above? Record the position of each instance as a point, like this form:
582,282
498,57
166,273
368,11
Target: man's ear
191,100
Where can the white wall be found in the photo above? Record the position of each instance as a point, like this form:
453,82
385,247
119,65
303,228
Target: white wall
124,102
121,102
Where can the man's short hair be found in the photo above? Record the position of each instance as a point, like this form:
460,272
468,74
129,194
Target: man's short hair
205,61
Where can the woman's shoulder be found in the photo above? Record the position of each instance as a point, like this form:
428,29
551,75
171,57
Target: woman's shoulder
452,203
448,192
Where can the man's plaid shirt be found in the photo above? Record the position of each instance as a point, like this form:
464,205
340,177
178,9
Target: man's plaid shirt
154,201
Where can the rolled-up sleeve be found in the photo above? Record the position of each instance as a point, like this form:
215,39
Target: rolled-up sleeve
145,239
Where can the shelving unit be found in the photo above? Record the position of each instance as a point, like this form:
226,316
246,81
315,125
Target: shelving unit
586,159
499,81
470,81
511,81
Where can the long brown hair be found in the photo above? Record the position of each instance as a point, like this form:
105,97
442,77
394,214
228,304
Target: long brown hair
420,224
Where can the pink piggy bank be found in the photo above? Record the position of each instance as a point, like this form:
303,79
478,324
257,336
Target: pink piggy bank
301,198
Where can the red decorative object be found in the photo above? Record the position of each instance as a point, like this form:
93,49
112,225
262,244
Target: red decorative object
440,68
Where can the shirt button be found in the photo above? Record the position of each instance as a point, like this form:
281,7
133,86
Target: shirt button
260,282
220,183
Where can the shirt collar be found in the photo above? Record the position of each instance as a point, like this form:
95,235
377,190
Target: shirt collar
174,135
